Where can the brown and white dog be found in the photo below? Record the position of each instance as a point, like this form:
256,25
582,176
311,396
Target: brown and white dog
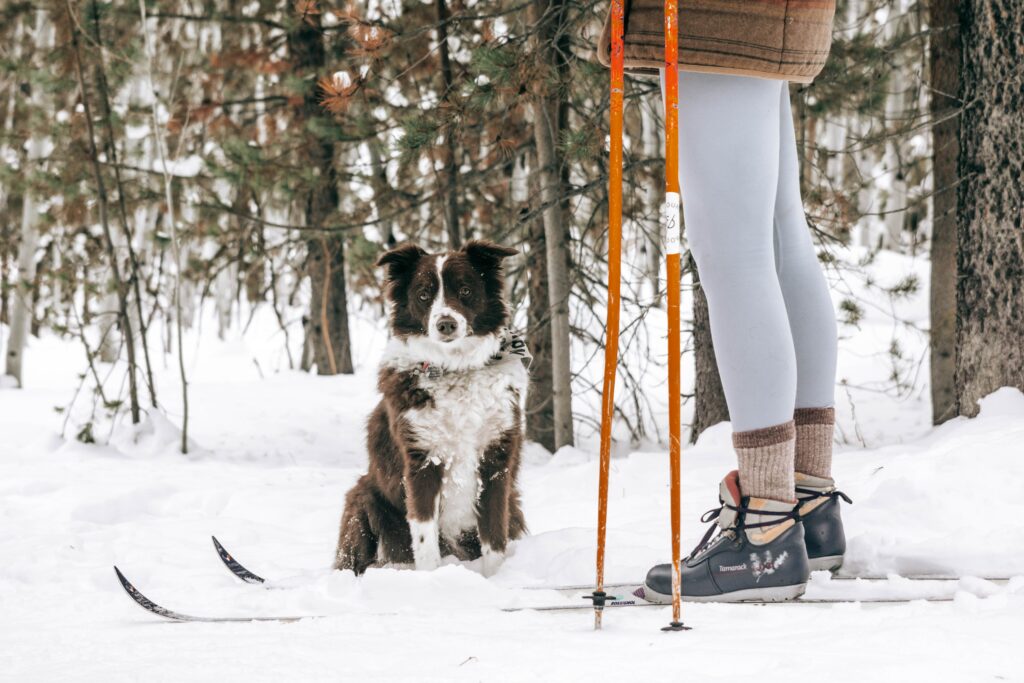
444,440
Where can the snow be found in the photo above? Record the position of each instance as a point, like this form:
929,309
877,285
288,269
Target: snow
342,79
273,452
185,167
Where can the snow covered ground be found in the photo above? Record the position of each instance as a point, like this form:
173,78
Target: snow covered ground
276,450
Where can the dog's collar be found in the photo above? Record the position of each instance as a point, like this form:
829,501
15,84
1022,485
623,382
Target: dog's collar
513,345
430,371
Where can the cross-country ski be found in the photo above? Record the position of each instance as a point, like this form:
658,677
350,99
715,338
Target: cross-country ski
627,595
243,573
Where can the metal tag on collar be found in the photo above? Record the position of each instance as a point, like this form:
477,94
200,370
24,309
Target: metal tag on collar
431,371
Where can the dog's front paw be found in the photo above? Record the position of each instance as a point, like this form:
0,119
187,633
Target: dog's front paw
490,560
426,550
427,559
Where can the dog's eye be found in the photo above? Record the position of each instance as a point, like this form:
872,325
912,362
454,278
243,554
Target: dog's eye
424,295
464,292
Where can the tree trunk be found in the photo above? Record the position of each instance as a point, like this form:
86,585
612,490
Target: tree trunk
944,53
326,251
549,17
895,216
306,362
110,339
709,398
328,310
5,270
6,229
654,195
24,302
540,412
451,161
800,116
381,192
990,262
43,267
21,317
224,287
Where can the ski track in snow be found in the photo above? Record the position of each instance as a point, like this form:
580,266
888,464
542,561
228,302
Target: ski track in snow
274,456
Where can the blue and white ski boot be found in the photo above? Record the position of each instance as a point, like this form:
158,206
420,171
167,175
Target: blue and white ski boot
758,554
818,509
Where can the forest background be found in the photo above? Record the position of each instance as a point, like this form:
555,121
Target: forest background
162,161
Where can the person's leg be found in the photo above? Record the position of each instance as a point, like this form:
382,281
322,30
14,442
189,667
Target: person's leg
813,323
811,315
729,165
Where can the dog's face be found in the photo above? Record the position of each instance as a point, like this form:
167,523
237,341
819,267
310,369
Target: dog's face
446,297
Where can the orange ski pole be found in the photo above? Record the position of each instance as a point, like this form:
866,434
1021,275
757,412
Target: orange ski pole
672,239
611,348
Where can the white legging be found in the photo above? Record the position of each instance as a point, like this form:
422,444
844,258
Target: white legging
772,319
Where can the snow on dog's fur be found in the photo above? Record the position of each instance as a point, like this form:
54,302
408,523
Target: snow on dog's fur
444,440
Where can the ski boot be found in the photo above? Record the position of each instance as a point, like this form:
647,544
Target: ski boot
818,509
758,554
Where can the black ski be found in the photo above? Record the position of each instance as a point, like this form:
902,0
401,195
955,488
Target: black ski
636,602
234,565
625,599
629,595
145,603
236,568
867,579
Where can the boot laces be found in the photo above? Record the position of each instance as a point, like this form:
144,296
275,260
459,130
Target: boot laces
805,495
741,511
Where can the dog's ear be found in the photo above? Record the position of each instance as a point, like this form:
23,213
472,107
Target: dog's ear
400,260
485,252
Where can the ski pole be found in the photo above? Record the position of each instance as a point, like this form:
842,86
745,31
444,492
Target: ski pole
611,348
672,239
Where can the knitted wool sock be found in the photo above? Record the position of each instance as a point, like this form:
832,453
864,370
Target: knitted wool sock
814,440
766,461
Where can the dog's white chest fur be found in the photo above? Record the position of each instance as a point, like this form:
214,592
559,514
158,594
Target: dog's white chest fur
470,410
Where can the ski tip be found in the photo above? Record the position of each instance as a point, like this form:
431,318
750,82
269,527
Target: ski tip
145,603
127,585
129,588
234,565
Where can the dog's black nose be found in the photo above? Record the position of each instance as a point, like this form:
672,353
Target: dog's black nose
446,325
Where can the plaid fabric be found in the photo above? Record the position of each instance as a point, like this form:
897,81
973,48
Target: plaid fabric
784,39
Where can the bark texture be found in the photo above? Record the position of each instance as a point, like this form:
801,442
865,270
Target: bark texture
548,99
944,55
450,161
325,263
709,397
990,213
540,413
654,194
6,203
24,299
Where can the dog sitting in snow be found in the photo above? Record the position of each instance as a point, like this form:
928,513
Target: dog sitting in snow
444,440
